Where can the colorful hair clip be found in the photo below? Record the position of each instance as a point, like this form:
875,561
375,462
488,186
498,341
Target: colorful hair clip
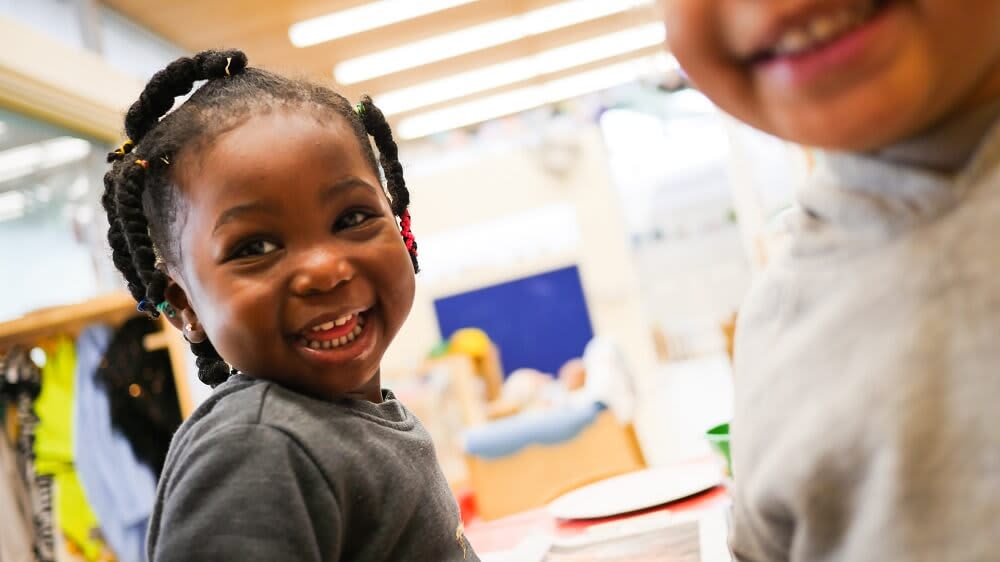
142,164
125,148
407,234
147,307
228,60
165,308
360,110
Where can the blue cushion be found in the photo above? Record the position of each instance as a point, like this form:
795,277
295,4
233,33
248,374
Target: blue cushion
509,435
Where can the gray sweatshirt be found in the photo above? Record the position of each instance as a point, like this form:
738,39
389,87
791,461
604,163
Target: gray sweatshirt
867,422
262,473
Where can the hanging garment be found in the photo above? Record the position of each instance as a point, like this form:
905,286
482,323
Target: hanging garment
140,388
119,487
16,533
54,448
22,383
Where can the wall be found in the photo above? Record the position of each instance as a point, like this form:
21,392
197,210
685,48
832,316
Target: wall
491,189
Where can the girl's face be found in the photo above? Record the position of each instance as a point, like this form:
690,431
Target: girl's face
845,74
291,259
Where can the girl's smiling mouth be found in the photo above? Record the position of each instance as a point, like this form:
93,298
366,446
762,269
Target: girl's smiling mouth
335,338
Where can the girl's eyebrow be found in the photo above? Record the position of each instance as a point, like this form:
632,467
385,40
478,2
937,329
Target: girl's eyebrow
234,212
331,191
328,193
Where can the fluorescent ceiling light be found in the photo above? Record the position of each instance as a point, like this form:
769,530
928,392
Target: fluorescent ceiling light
79,187
365,17
484,109
478,37
31,158
519,70
11,205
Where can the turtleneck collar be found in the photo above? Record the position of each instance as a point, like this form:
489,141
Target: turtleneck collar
881,193
946,147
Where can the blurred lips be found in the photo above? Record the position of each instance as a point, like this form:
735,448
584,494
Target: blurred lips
828,46
811,29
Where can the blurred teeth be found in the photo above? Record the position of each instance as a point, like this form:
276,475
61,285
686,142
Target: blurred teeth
823,28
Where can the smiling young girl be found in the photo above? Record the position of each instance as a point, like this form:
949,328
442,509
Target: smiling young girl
253,216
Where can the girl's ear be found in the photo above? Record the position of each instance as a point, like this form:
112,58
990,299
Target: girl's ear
183,316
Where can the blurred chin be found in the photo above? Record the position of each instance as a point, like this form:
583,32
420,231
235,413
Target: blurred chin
862,120
858,130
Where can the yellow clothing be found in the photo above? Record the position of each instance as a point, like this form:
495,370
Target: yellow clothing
54,447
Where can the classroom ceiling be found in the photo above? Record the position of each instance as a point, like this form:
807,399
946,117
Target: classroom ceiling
261,29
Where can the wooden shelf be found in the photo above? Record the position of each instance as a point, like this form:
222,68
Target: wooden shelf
112,308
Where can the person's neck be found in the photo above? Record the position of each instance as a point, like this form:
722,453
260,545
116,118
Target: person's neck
948,145
371,391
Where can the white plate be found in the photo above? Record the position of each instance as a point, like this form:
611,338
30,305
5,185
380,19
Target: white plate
636,490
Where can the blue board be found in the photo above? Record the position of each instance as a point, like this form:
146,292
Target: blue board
538,322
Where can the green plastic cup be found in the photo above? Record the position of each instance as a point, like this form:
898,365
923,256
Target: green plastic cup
718,438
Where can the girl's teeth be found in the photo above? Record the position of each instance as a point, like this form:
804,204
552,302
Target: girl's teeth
794,41
823,28
336,342
335,323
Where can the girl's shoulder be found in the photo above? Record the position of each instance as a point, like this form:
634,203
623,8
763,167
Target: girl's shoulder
236,402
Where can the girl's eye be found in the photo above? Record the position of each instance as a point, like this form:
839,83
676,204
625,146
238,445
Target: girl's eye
352,219
255,248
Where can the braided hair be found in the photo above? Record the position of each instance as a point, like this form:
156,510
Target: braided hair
142,200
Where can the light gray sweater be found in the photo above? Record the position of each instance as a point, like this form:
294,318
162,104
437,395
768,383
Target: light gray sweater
867,422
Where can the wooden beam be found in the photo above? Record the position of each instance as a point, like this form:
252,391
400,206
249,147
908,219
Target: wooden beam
51,81
112,308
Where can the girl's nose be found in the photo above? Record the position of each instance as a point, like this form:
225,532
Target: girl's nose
321,271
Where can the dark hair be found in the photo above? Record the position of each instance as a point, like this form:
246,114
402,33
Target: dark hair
141,198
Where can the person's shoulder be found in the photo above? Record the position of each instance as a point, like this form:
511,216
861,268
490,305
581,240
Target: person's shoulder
236,402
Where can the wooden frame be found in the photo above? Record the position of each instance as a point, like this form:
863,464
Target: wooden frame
50,81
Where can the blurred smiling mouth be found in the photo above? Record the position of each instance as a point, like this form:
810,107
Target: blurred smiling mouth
819,30
333,333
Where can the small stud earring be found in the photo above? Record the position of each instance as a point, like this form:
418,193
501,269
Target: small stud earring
189,327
